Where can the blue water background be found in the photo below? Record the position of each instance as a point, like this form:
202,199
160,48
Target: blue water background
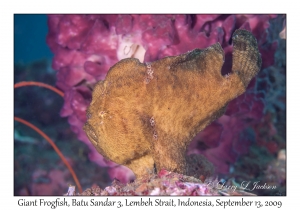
30,38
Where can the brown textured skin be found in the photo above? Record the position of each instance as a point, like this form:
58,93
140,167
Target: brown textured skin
145,115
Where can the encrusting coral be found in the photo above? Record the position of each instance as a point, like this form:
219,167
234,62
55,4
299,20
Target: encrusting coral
144,116
165,183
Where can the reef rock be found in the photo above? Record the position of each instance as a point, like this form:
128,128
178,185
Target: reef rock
144,116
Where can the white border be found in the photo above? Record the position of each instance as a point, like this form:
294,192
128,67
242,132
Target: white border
8,8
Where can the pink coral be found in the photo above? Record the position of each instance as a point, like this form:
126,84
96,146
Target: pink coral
86,46
167,183
46,183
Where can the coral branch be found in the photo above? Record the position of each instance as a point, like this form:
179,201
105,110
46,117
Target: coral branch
40,84
54,147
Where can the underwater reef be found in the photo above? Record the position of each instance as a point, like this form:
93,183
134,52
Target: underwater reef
243,143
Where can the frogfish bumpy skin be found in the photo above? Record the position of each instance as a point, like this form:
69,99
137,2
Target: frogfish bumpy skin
144,116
